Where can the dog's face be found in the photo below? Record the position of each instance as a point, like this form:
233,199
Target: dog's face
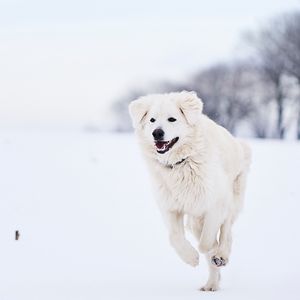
166,120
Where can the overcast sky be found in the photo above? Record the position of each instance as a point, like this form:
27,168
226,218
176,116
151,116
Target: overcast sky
62,62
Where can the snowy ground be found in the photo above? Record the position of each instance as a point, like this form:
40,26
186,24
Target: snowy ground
85,237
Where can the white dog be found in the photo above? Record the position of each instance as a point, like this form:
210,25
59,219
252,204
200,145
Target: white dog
200,171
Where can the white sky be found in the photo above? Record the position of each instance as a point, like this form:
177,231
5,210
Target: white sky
62,62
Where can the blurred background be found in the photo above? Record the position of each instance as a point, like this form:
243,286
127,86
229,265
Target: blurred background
74,65
72,181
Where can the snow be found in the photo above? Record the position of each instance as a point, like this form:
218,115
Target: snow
90,229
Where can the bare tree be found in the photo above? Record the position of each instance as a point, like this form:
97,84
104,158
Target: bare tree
278,49
289,46
289,43
272,65
224,90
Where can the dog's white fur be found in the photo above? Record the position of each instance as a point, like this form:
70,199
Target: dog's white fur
208,186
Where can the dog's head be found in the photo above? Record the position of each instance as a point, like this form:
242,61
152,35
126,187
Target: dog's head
166,121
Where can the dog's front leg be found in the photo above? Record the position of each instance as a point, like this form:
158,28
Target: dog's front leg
183,248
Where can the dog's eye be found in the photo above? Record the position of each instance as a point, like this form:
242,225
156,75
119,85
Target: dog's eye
171,119
152,120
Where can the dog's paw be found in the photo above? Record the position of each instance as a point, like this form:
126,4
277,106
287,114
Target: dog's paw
193,259
210,287
190,256
185,251
219,261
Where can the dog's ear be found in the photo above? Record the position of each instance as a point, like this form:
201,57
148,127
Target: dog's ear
190,106
138,110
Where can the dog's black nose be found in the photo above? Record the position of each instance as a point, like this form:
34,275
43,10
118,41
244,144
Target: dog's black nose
158,134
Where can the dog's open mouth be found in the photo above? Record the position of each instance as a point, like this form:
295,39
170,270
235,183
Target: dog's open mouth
164,146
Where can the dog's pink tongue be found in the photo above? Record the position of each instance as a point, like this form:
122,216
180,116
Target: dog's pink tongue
159,145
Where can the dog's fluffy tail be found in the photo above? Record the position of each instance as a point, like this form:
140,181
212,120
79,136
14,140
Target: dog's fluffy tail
247,155
239,184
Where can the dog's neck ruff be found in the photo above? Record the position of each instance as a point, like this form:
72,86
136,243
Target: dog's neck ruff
176,164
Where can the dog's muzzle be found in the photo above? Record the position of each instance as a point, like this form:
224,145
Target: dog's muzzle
164,146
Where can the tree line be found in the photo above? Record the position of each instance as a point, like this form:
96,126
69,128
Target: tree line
257,96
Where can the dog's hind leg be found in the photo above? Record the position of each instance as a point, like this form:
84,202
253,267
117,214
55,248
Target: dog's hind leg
195,226
222,253
211,226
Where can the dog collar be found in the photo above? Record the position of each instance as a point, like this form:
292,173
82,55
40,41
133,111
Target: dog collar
177,163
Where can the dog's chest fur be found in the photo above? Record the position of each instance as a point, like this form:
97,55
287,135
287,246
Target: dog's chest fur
184,188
